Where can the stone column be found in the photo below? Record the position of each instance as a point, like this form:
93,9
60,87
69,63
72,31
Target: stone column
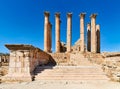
57,27
88,37
46,22
0,59
82,16
49,37
69,27
93,33
98,37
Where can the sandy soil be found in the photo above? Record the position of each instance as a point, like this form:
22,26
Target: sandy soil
61,85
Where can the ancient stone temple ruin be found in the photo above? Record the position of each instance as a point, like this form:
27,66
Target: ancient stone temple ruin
93,35
68,62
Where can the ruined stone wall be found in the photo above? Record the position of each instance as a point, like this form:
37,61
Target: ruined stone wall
23,60
4,58
111,65
77,47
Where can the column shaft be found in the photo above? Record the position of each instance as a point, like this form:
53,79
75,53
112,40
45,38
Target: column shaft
82,16
93,33
49,37
69,27
98,38
88,37
46,22
57,21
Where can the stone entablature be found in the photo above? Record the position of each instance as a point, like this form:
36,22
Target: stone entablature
23,60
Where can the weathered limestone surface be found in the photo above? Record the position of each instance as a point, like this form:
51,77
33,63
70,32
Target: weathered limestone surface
57,28
69,27
82,16
93,33
23,60
88,37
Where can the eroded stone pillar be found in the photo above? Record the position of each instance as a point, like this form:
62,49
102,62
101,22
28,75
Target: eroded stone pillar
69,27
93,33
98,37
88,37
57,28
49,37
46,23
82,16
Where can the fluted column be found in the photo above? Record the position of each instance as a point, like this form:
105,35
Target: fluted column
57,27
69,27
93,33
98,37
88,37
82,16
46,22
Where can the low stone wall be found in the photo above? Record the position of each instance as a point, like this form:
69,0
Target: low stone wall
23,60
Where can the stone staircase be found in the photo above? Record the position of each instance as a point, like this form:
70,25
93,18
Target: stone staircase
79,68
70,73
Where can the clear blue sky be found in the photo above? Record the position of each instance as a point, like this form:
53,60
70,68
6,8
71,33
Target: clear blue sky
22,21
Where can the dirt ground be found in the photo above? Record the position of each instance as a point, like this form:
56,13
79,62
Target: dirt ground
61,85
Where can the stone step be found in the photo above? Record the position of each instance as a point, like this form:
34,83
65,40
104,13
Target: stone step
85,73
93,66
70,73
68,70
40,69
82,75
71,78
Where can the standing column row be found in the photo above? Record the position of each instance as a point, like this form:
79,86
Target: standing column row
93,33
